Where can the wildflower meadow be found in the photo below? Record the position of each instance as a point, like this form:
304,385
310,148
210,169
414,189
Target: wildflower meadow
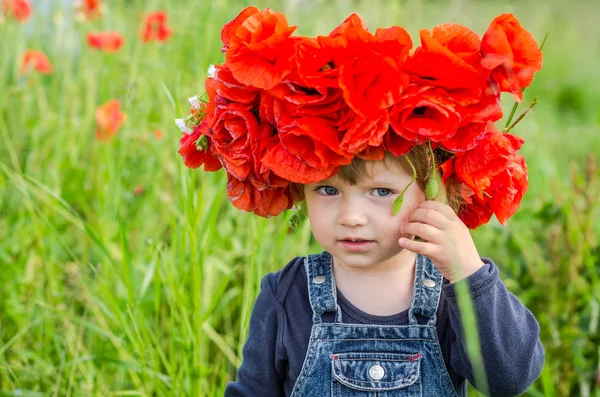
125,273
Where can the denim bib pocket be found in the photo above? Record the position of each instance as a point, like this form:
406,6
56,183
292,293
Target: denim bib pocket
375,372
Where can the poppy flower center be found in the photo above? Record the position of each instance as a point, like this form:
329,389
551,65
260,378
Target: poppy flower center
419,111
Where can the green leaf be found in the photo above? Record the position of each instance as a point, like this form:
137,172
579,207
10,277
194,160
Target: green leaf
398,204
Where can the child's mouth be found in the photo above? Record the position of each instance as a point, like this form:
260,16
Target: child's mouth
356,245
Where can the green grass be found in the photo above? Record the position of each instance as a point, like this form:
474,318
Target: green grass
107,291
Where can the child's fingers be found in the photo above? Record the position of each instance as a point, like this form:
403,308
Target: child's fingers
423,230
437,206
429,216
419,247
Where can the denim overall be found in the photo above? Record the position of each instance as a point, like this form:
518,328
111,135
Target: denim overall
370,360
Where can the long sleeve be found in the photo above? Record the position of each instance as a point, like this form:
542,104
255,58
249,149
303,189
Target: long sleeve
260,372
512,352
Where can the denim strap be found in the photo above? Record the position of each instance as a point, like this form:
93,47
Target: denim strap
426,291
321,286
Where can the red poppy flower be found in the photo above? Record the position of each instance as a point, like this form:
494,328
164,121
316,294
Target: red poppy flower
508,188
396,144
487,109
372,153
260,52
233,130
109,118
17,9
492,154
425,113
228,30
511,53
475,214
196,149
270,108
266,203
90,9
262,177
110,41
229,88
155,27
363,133
36,60
371,78
465,138
449,57
309,150
300,101
494,176
317,62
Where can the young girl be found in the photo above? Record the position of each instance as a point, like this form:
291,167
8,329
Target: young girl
358,130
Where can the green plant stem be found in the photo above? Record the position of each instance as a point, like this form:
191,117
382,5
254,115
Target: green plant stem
413,178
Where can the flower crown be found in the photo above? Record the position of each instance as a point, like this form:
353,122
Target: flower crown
286,109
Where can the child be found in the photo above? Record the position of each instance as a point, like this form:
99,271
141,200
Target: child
355,128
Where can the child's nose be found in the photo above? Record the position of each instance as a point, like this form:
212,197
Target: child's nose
352,213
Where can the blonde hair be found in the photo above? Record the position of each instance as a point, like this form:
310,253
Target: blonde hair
420,158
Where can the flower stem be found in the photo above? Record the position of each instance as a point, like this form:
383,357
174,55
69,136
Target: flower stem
535,101
414,175
516,104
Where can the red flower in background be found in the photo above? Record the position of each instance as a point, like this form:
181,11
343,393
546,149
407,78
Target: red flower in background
511,53
155,27
17,9
110,41
109,118
90,9
35,60
259,51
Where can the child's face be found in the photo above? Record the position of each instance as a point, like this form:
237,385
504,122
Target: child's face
338,211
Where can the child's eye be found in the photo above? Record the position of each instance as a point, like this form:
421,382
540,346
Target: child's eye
382,192
327,190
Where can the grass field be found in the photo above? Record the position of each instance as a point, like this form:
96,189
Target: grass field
122,272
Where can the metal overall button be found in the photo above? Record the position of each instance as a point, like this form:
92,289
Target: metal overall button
428,283
319,280
376,372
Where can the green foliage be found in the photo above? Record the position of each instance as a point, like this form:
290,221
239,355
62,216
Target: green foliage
125,273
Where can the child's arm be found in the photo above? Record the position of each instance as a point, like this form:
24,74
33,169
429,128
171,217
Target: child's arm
512,353
259,374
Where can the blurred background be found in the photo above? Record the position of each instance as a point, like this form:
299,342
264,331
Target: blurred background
122,272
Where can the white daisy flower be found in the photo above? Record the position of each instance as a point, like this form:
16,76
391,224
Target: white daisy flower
182,126
212,71
195,102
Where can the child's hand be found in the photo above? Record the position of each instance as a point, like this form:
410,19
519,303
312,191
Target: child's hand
449,244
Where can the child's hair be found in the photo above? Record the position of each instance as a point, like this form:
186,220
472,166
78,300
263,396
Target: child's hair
419,156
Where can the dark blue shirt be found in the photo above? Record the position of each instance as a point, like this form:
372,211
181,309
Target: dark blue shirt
281,323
